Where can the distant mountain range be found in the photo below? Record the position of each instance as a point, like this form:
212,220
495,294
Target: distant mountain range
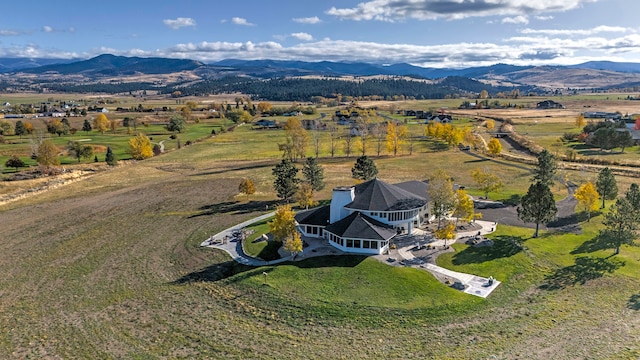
595,74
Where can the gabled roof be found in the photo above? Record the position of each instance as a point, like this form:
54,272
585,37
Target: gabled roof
318,216
377,195
358,226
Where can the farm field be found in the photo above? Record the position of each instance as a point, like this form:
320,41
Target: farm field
110,267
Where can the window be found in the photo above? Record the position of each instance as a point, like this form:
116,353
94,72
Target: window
365,244
356,243
349,243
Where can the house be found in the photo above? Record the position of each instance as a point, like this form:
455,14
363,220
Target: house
266,124
365,217
549,104
441,118
55,112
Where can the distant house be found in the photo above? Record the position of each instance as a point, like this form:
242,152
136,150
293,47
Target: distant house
549,104
55,112
6,104
104,110
266,124
365,217
602,115
441,118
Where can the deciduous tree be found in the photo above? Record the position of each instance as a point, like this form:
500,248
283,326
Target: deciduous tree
247,187
537,206
101,123
364,169
487,181
47,154
606,185
15,162
490,124
285,182
494,147
80,151
293,244
587,197
298,137
440,192
580,121
304,196
283,224
463,208
446,232
140,147
396,136
177,124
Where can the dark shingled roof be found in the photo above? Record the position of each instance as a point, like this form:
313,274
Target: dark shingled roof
318,216
415,187
358,226
377,195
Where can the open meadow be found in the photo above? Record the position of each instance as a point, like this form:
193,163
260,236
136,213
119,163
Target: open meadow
110,267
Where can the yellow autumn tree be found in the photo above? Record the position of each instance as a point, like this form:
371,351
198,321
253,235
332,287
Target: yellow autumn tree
490,124
587,197
247,187
101,123
293,244
487,181
283,224
396,135
446,232
580,121
48,154
494,147
296,136
304,196
463,208
140,147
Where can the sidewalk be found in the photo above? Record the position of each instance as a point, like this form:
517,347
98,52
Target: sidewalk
234,247
474,285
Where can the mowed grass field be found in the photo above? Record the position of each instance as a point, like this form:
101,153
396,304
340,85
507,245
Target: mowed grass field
110,267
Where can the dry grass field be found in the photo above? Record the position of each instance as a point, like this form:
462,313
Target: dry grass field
110,267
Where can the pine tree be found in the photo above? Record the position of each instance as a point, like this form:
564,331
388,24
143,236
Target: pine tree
313,174
364,169
86,126
546,168
537,206
110,158
621,224
285,182
606,185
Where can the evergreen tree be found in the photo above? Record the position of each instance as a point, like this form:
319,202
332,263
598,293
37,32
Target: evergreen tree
285,183
546,169
364,169
86,126
537,206
606,185
110,158
633,196
313,174
20,129
621,224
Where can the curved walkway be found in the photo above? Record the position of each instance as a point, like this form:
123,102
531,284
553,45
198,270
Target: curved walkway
234,247
474,285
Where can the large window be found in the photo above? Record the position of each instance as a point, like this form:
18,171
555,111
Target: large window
356,243
349,243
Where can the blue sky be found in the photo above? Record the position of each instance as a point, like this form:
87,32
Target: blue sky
430,33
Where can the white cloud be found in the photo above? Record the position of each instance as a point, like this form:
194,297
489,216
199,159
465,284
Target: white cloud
302,36
393,10
516,20
544,18
307,20
10,33
586,32
47,29
241,21
180,22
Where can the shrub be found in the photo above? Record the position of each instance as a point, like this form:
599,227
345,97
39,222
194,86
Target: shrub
570,136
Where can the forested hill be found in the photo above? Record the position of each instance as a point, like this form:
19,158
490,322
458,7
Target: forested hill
297,89
119,65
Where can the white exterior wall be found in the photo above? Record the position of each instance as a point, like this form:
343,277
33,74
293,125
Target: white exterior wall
341,197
